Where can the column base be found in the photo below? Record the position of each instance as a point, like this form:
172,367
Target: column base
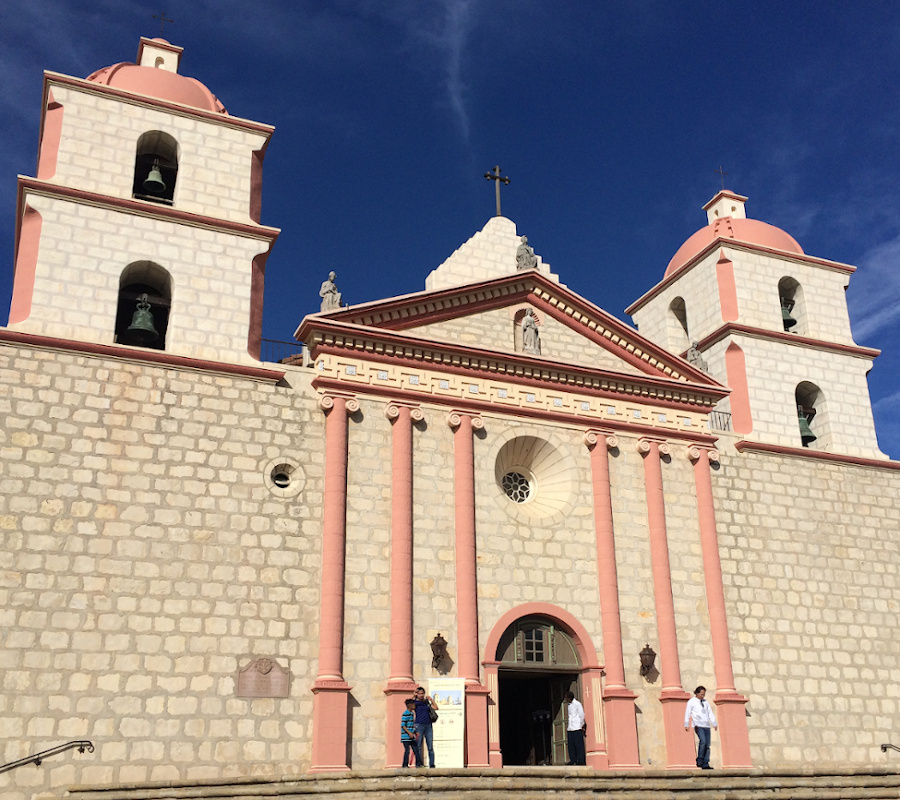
733,730
621,726
330,742
477,726
680,751
398,692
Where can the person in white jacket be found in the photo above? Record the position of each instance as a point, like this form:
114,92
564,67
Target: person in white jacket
699,713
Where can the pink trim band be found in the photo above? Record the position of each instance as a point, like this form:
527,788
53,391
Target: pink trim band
788,338
147,209
139,355
802,452
736,244
90,87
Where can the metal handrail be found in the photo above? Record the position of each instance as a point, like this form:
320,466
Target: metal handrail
37,758
884,748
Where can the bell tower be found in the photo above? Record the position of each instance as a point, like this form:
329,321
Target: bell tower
770,322
141,230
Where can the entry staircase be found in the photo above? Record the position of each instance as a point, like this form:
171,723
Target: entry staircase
511,783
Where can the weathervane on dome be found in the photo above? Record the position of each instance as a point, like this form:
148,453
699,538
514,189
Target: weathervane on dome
162,20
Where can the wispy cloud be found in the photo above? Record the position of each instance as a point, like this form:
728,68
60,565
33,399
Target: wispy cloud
874,292
445,36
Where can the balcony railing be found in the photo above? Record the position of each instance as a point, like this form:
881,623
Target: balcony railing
274,352
37,758
719,421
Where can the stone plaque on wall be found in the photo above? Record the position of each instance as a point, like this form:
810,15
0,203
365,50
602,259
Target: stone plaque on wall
262,677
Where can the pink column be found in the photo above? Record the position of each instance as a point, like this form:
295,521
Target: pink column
331,692
732,717
618,700
679,743
467,586
400,683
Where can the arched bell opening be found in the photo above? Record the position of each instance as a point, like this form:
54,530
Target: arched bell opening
538,664
793,307
812,416
155,167
677,326
145,299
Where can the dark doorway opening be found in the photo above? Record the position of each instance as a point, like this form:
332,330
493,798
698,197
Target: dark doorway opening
533,716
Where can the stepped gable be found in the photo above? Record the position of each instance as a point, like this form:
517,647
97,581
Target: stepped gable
489,253
403,321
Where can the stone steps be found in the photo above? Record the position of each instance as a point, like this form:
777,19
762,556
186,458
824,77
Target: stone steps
560,783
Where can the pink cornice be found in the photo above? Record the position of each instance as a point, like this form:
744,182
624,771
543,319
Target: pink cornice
137,355
788,338
28,241
459,405
146,209
430,307
579,633
736,244
56,78
519,368
817,455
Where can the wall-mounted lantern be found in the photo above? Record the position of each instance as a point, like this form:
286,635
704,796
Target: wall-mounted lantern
648,657
438,650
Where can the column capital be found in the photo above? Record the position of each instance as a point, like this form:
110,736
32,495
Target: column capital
695,451
392,410
351,403
592,436
643,445
454,419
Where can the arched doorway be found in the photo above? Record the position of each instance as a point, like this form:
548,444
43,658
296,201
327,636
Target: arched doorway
538,664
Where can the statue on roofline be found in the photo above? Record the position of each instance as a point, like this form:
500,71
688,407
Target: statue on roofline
331,297
525,257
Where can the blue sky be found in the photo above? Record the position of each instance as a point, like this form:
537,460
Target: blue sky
609,117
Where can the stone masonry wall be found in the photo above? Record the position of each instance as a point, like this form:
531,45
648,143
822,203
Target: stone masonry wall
98,145
697,287
84,250
146,558
144,561
811,560
843,422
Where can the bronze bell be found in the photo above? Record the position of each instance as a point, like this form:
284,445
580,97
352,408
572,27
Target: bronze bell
787,320
806,434
154,182
142,328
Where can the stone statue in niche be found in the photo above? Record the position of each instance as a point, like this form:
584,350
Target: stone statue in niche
525,257
331,297
531,337
695,357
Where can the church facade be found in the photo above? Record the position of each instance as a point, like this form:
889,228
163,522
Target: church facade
214,566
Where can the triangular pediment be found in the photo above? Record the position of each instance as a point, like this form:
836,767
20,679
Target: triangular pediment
487,317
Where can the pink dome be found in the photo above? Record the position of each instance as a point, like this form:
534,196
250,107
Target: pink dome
751,231
158,83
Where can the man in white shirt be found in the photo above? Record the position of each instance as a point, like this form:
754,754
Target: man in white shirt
576,730
699,713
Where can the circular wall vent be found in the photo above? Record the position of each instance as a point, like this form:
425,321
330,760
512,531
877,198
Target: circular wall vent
535,478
